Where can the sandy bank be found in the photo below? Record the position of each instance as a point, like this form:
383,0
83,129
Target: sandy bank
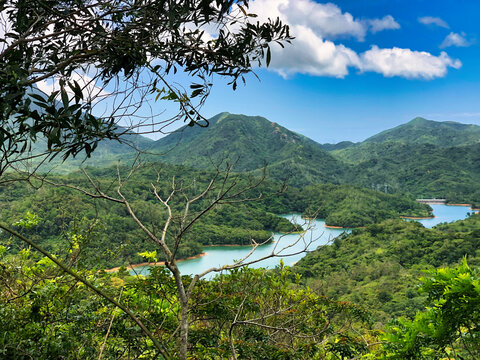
133,266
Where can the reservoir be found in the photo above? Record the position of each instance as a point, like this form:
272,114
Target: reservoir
289,247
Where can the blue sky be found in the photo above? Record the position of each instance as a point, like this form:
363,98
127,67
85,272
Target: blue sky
376,64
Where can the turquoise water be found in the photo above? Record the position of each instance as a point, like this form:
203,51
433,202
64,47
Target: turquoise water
446,213
290,247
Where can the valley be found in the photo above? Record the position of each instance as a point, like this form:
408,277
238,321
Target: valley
239,180
359,250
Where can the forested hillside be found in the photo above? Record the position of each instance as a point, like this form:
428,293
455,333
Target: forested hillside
425,171
252,142
423,131
422,158
379,266
114,246
110,237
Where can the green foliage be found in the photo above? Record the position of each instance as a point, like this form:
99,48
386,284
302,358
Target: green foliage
258,313
422,131
448,327
30,220
424,171
107,236
377,267
119,48
47,315
350,206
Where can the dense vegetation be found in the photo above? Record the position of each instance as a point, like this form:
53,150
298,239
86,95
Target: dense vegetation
61,305
246,313
422,158
422,131
355,298
259,314
110,237
379,266
251,142
349,206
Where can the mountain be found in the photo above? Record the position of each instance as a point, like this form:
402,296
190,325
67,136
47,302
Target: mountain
107,153
422,170
252,142
422,131
337,146
422,157
418,131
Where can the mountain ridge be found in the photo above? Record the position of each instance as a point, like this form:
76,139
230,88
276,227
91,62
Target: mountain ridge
251,142
422,131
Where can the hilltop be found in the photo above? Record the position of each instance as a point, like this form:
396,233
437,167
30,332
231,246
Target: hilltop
422,158
423,131
252,142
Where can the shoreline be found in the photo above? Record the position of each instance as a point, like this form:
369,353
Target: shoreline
343,227
227,245
158,263
470,205
448,204
418,217
401,217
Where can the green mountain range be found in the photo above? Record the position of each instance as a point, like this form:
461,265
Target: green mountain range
423,158
422,131
251,142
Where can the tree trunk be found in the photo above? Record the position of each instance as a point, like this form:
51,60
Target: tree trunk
183,299
183,347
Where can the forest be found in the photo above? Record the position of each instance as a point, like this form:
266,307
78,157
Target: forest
82,191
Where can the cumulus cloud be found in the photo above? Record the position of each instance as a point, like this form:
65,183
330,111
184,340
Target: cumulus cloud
313,55
430,20
407,63
454,39
386,23
91,92
327,20
316,26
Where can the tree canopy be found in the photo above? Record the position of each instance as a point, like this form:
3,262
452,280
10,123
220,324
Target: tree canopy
121,52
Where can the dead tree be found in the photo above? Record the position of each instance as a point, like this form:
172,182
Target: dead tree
224,187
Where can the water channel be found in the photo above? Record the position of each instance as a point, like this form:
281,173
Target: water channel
292,244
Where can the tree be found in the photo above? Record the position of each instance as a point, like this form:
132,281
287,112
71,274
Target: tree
449,326
122,53
185,204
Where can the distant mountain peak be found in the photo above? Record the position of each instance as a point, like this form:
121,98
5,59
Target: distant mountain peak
418,120
423,131
252,141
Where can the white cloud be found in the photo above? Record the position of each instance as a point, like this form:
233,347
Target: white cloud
454,39
91,92
407,63
313,55
386,23
326,20
430,20
315,26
